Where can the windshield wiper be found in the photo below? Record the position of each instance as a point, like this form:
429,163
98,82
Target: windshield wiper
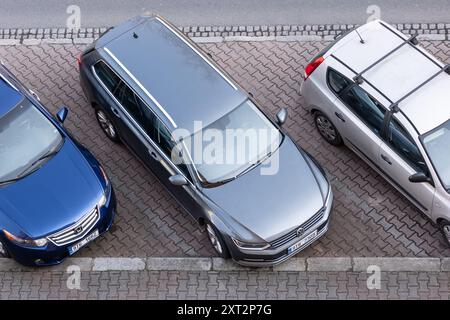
27,171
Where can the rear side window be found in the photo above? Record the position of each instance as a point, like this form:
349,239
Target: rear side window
137,109
337,81
107,76
130,102
365,107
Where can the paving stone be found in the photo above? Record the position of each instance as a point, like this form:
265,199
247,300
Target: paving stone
398,264
181,264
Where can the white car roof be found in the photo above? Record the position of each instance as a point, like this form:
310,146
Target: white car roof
398,74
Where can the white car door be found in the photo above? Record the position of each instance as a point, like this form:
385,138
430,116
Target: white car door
399,158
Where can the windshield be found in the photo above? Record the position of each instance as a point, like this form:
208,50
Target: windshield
26,135
437,145
233,144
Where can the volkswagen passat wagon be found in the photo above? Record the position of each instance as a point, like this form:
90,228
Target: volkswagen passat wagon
386,98
154,90
54,195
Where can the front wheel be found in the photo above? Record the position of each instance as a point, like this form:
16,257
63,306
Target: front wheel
444,227
327,129
217,242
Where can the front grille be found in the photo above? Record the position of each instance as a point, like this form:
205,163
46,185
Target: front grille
76,231
293,234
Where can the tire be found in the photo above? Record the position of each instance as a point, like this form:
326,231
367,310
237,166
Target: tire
327,129
217,242
3,251
444,227
106,125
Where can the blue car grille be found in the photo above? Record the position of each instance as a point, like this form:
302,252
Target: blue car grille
76,231
288,237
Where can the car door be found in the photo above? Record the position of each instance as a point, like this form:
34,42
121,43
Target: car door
148,137
358,117
400,158
161,155
108,96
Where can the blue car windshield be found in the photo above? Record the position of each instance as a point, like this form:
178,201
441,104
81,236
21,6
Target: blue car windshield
26,136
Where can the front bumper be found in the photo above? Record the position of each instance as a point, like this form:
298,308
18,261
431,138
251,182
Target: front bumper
52,254
268,258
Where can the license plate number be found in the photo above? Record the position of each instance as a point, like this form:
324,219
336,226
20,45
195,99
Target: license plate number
83,242
302,242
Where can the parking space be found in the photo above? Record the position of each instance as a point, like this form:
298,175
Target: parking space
370,218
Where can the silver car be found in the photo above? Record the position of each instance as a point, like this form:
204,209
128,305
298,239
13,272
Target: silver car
378,92
158,93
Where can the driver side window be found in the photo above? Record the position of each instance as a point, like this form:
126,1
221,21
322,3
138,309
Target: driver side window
163,139
403,144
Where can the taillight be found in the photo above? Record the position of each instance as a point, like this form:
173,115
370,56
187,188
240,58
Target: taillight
313,66
79,61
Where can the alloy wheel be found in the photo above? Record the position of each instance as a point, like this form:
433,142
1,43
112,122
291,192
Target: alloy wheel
106,125
446,230
326,128
214,239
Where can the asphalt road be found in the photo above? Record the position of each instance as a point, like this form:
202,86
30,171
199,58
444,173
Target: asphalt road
98,13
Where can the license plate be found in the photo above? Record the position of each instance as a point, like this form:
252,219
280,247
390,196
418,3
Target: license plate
83,242
302,242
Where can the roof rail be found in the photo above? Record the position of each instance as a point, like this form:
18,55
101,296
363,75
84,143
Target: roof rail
359,79
394,107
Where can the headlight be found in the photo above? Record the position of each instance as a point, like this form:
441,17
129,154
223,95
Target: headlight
107,190
28,242
250,246
104,175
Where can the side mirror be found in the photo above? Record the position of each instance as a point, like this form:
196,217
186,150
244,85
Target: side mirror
61,115
282,116
419,177
178,180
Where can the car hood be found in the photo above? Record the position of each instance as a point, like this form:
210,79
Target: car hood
271,205
55,196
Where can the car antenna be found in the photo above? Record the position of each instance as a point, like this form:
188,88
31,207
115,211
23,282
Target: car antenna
362,40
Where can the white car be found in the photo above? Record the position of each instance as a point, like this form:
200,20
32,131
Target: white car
378,92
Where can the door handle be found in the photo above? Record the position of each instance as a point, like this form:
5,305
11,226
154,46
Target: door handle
153,154
339,116
116,112
386,159
34,94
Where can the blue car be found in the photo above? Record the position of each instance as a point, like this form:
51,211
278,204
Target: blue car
54,195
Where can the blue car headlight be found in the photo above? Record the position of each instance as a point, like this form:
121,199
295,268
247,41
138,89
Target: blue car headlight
23,241
107,190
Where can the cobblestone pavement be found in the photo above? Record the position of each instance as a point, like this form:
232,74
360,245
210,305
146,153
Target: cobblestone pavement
369,218
223,285
438,31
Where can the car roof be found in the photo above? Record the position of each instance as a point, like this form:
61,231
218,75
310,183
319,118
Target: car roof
175,77
9,96
400,73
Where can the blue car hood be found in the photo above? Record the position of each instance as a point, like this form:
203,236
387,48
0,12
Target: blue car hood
55,196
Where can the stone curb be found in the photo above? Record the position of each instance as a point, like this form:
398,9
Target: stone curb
214,34
313,264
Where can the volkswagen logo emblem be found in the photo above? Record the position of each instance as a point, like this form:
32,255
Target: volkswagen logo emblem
78,230
300,232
